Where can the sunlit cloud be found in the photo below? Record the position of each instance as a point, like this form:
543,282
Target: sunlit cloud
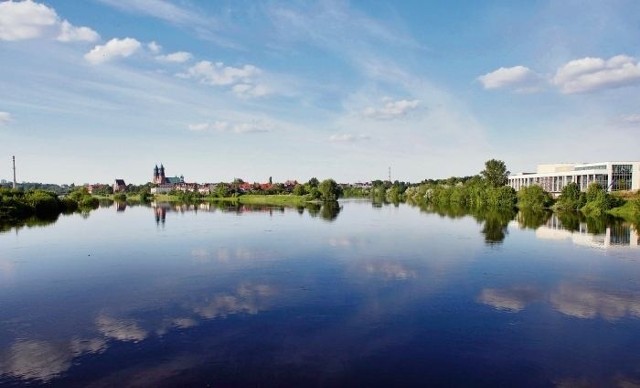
5,118
593,74
177,57
154,47
242,81
113,49
629,119
161,9
225,126
517,78
218,74
348,138
29,20
391,109
584,75
69,33
246,90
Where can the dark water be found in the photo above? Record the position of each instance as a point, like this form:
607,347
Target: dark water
358,296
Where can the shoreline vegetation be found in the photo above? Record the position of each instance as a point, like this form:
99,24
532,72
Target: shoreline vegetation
486,192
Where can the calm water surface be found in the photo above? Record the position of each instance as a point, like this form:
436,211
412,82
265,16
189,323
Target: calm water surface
370,296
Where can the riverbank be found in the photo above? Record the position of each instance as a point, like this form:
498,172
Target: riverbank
249,199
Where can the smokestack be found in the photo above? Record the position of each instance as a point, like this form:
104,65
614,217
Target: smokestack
14,171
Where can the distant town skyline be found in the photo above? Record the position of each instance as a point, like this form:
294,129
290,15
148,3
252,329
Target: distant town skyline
101,89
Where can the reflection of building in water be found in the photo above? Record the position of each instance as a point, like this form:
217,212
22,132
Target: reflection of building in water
121,206
618,235
161,214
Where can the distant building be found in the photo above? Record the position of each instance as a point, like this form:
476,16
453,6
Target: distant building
119,186
159,177
612,176
94,188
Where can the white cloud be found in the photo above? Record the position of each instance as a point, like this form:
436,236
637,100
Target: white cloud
69,33
199,127
249,90
629,119
160,9
592,74
28,20
391,109
224,126
25,20
177,57
219,74
5,118
112,49
347,138
519,78
154,47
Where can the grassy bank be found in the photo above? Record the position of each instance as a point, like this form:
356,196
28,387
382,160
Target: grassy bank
291,200
250,199
629,211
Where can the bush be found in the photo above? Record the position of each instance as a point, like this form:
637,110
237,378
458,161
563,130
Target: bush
120,197
598,201
571,199
534,198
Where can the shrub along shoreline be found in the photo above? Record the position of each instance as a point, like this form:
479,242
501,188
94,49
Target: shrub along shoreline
17,205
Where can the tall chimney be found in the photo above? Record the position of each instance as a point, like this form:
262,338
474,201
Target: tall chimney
14,171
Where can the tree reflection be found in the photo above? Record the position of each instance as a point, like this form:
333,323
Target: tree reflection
531,219
495,224
570,220
313,209
330,210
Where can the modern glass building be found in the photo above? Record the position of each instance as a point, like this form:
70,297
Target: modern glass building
553,177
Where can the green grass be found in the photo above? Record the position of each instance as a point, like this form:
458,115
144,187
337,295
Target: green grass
250,199
626,211
292,200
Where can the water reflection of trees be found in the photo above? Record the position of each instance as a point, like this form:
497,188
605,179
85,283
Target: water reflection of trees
529,219
495,224
32,222
327,211
494,221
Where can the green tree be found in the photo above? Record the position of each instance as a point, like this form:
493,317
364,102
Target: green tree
495,173
329,190
313,182
534,198
570,198
598,201
299,190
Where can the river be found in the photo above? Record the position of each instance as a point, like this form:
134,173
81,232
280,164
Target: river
355,295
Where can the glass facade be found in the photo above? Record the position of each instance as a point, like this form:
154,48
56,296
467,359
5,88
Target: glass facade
611,177
621,176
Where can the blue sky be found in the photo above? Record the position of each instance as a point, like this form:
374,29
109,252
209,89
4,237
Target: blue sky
100,89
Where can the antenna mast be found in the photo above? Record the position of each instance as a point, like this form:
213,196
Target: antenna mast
14,171
389,173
